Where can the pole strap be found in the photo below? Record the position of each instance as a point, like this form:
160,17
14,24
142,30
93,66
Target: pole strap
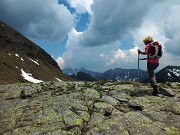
143,59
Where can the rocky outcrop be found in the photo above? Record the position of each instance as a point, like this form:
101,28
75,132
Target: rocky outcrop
84,108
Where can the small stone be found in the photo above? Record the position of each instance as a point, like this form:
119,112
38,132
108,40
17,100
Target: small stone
107,111
166,92
23,95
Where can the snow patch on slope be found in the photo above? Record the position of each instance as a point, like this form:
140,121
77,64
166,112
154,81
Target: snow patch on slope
34,61
28,77
175,71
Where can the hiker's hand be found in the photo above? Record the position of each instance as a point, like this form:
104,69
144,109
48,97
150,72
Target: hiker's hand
139,51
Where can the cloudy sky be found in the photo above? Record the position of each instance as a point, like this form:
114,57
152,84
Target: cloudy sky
97,34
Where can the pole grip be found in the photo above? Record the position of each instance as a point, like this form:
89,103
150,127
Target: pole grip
138,67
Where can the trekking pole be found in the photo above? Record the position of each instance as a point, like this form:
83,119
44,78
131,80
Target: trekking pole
138,67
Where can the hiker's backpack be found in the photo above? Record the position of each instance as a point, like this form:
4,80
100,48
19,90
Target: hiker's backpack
155,50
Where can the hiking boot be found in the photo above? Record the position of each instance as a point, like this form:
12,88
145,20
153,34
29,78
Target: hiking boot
155,90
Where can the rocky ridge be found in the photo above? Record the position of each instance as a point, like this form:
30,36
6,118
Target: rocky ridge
88,108
19,55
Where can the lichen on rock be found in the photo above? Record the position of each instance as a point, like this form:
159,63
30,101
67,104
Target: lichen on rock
88,108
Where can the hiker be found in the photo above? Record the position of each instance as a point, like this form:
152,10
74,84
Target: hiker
152,63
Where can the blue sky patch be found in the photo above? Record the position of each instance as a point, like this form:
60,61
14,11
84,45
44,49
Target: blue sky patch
55,49
83,22
66,4
127,43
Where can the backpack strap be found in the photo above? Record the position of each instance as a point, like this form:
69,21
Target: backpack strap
155,56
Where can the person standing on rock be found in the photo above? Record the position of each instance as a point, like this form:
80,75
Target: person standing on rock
152,63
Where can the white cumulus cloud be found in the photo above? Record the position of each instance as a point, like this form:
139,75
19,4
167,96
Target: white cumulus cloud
115,29
60,62
99,58
39,19
100,47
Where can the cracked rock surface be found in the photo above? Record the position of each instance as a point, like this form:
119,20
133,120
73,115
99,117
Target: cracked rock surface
84,108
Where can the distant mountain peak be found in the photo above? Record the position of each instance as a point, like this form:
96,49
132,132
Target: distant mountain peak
169,74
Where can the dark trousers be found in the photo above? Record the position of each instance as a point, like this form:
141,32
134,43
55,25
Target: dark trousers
151,66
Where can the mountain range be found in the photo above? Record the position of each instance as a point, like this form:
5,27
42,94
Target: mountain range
167,74
117,74
23,61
